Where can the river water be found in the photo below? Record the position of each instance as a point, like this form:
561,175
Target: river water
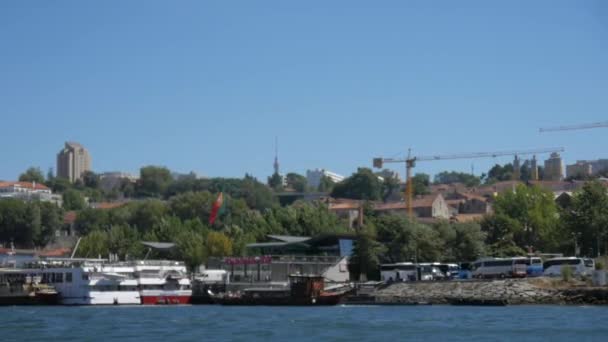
340,323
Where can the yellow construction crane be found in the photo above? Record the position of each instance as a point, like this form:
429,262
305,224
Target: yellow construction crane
574,127
410,162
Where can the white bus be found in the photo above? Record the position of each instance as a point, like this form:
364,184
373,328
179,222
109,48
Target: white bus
579,266
401,271
499,268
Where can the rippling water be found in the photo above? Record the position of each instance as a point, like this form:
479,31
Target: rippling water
340,323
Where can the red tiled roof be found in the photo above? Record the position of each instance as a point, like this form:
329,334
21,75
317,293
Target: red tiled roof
27,185
107,205
467,217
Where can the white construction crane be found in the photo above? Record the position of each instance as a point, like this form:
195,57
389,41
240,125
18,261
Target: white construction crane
410,162
574,127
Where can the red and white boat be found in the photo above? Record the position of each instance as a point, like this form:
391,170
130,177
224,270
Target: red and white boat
162,282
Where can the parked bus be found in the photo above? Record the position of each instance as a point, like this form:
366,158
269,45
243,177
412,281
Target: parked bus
499,268
534,265
553,267
401,271
450,271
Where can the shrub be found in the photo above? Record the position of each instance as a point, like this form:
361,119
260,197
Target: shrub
599,265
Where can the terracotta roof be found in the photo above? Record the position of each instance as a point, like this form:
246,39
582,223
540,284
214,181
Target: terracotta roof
107,205
26,185
69,217
344,206
419,202
467,217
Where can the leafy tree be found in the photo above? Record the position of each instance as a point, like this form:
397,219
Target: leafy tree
296,181
500,173
256,195
452,177
326,184
191,248
59,185
276,182
73,200
462,241
147,214
33,174
365,260
218,245
192,205
93,245
363,184
153,181
90,219
529,215
587,218
90,179
390,186
421,183
51,221
123,241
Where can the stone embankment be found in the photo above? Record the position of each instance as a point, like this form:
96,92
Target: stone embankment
508,291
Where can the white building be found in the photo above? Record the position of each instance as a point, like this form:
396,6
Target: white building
313,177
28,191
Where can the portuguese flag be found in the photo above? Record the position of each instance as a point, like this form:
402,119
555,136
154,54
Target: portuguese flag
215,209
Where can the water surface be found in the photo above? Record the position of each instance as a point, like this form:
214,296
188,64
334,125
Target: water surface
340,323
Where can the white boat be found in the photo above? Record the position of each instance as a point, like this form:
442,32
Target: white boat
162,282
88,281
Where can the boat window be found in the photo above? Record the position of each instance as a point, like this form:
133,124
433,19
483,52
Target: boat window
68,277
589,262
58,278
85,276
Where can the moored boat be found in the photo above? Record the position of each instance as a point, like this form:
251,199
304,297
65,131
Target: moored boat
302,290
163,282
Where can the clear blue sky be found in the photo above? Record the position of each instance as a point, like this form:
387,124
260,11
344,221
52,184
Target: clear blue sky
207,85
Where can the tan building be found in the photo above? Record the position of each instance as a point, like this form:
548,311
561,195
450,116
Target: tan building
554,168
72,161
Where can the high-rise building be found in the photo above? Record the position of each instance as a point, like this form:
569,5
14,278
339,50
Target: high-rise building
516,169
554,168
72,161
534,169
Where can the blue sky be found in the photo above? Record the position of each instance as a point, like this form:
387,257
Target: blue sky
207,85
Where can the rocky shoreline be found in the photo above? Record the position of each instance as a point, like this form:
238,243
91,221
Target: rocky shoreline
503,292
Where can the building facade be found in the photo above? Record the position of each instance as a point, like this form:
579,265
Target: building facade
554,168
313,177
72,161
28,191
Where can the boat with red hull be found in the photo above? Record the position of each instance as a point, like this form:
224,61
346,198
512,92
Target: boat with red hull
163,282
302,290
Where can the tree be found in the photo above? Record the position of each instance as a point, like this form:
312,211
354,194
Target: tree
528,215
73,200
256,195
462,241
90,179
421,183
363,184
218,245
587,218
93,245
364,262
500,173
33,174
390,186
153,181
191,248
326,184
452,177
275,182
296,182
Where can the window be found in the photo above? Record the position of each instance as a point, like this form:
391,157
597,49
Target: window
68,277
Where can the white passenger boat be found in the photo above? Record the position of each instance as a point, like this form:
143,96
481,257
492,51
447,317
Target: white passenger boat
163,282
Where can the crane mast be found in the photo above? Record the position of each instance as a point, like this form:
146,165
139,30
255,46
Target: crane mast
574,127
410,163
